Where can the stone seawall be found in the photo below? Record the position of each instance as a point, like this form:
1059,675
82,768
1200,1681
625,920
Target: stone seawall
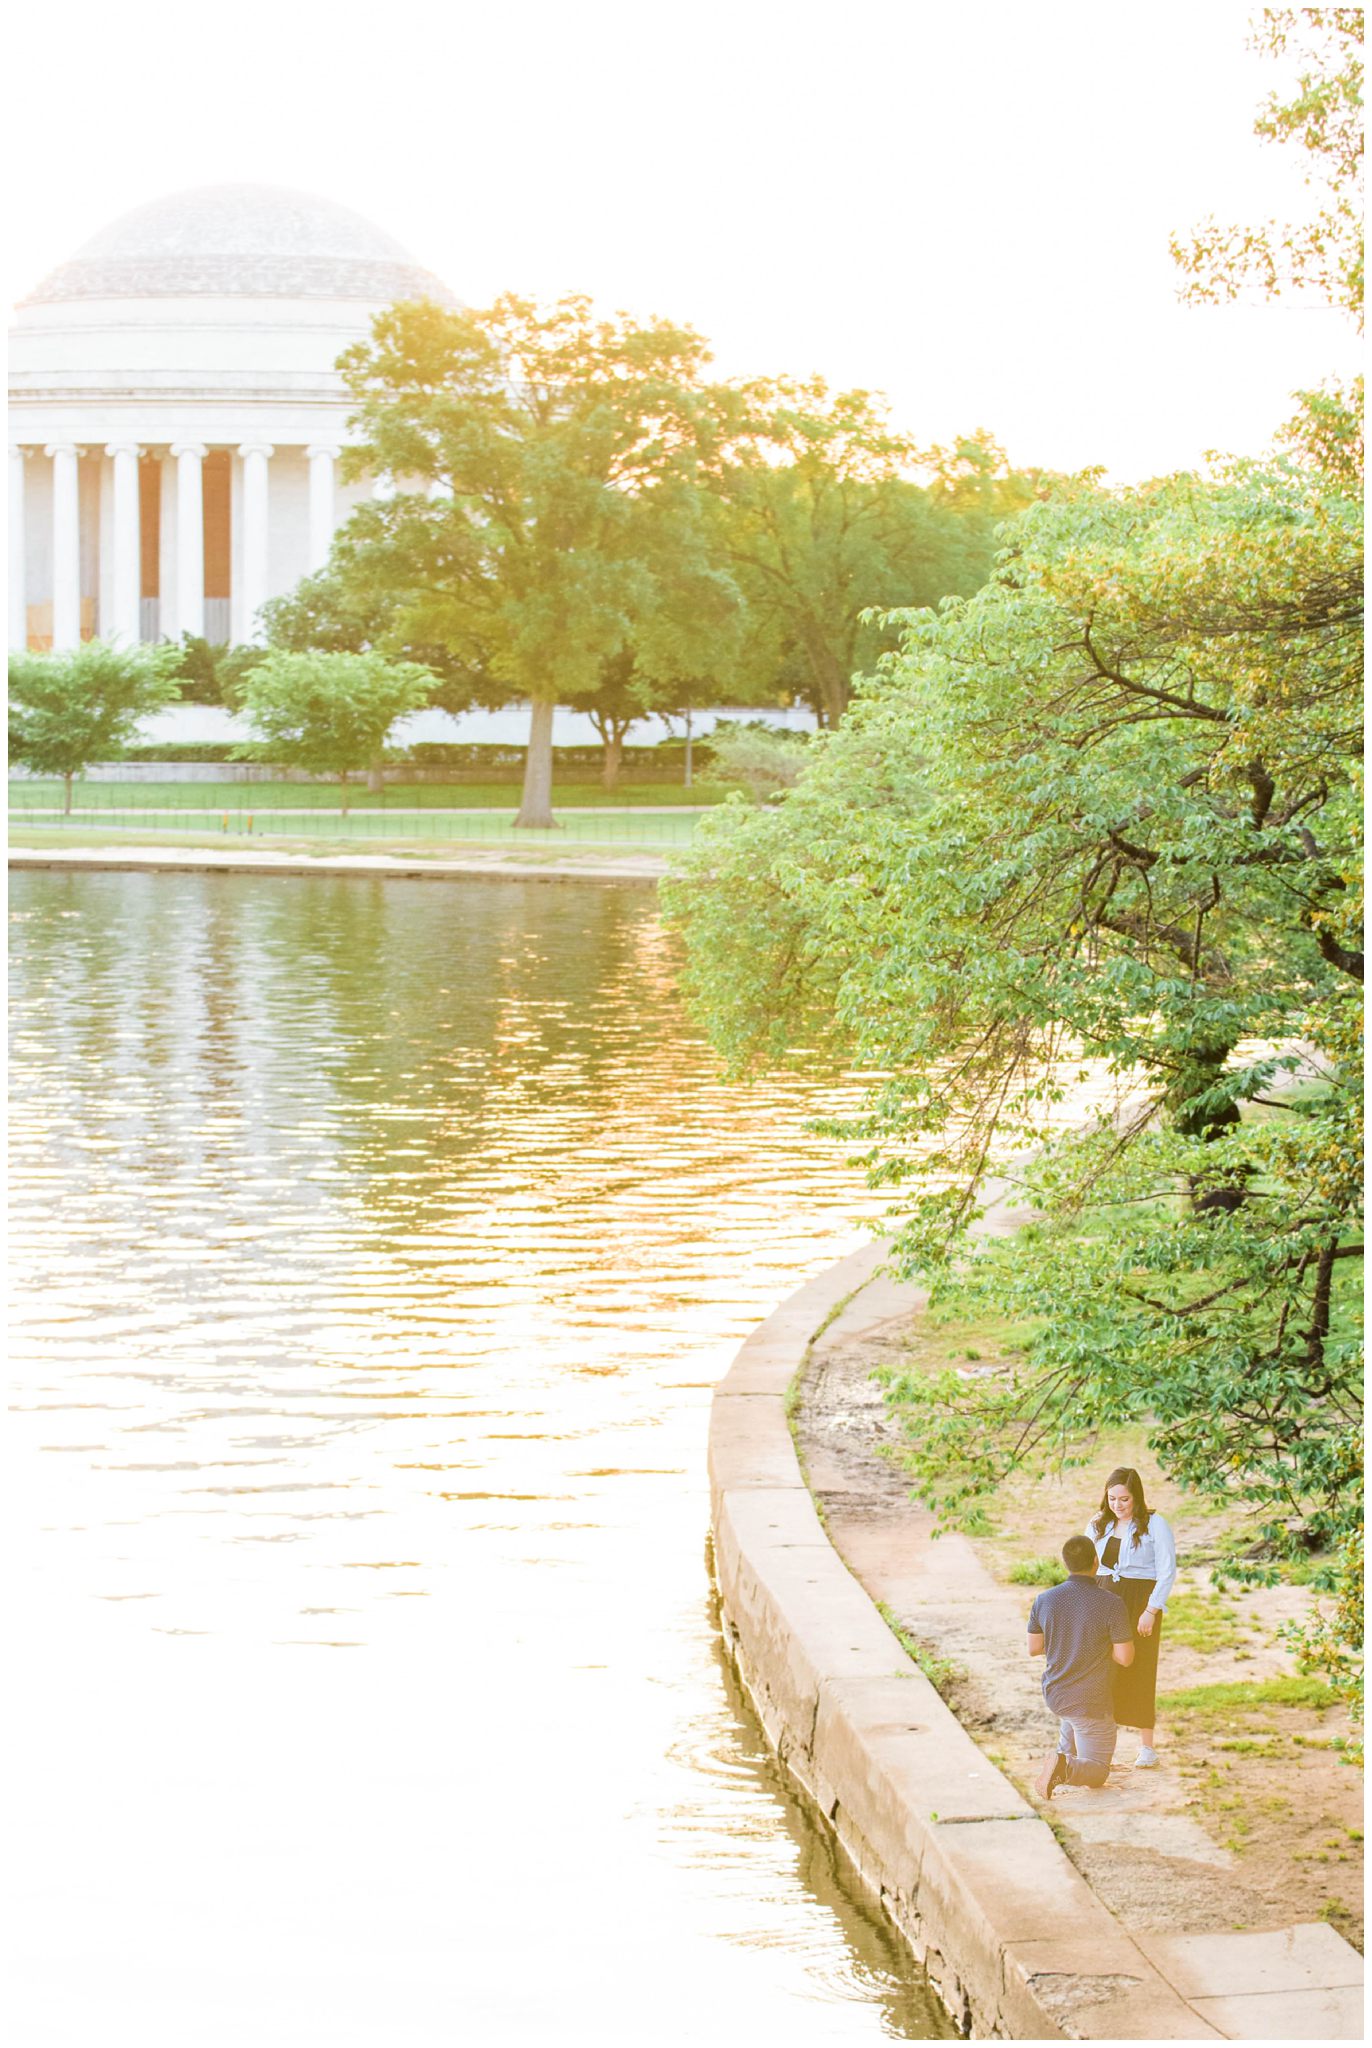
498,864
1012,1936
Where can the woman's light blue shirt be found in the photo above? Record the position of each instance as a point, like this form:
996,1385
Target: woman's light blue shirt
1154,1556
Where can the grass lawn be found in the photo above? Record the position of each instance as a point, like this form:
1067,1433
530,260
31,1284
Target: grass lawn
429,818
233,797
431,833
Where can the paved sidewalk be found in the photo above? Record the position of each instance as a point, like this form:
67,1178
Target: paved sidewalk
1302,1982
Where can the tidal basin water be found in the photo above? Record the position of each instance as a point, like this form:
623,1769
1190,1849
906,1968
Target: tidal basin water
375,1248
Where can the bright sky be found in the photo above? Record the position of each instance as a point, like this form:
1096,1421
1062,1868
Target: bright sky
967,208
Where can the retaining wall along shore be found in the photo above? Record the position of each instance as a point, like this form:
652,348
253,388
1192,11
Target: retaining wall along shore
499,864
1013,1938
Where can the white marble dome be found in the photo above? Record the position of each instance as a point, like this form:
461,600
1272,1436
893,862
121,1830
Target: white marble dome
256,241
176,412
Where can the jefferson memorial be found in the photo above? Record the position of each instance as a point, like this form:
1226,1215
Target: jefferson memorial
176,418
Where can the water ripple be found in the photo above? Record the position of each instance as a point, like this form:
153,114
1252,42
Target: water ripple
376,1247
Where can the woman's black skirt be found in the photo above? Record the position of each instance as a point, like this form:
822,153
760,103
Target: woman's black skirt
1136,1684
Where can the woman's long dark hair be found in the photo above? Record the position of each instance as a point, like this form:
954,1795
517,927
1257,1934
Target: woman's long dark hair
1123,1475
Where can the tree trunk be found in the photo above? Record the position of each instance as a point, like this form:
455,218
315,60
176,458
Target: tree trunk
688,750
375,779
837,690
343,794
1200,1072
832,681
614,755
66,796
536,802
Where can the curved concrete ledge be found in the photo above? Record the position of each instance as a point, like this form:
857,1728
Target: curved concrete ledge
210,860
1013,1938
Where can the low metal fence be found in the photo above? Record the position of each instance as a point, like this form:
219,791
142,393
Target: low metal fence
201,787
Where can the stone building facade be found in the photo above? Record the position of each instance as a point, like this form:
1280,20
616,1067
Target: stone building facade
176,416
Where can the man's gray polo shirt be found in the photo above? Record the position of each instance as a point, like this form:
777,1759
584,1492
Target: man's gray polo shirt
1079,1620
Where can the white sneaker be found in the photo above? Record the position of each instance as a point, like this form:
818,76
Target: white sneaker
1146,1760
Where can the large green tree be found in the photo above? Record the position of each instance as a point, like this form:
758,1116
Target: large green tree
1106,811
546,522
825,529
692,648
69,709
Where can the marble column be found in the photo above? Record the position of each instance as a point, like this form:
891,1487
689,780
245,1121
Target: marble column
190,538
66,546
18,554
256,455
126,581
322,458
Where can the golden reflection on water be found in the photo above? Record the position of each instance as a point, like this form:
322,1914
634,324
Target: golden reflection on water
376,1247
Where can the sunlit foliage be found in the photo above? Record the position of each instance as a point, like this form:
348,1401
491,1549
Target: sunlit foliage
327,713
69,709
1107,810
1323,117
544,522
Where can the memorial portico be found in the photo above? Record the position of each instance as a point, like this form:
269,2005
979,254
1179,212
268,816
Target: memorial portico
177,419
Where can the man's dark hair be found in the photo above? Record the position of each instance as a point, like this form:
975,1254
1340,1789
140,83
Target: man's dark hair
1079,1554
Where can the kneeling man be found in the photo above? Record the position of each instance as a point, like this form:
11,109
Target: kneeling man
1079,1628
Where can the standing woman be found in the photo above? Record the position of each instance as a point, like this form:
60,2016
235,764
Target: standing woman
1136,1557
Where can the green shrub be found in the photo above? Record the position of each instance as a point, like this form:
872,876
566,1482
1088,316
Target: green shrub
764,759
